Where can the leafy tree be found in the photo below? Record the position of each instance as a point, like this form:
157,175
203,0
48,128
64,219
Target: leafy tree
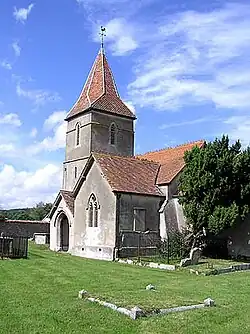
40,211
36,213
2,217
215,185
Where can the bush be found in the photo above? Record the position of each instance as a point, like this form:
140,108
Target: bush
175,247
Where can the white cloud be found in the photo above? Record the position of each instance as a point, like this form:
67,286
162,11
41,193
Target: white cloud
10,119
7,148
192,58
55,123
38,96
25,189
119,37
33,133
17,49
238,127
185,123
6,65
54,119
21,14
131,106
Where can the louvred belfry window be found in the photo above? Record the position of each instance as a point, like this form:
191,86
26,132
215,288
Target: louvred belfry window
112,134
78,134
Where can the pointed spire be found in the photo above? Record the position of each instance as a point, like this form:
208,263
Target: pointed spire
100,92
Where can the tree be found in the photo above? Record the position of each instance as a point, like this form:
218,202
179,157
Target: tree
215,185
40,211
2,217
36,213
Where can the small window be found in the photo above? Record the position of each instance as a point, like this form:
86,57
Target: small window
77,134
139,219
112,134
75,172
93,212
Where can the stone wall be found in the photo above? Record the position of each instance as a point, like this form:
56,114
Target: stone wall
100,134
94,137
95,242
23,228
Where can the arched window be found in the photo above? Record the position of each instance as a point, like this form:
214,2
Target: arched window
77,134
92,211
75,172
90,214
112,134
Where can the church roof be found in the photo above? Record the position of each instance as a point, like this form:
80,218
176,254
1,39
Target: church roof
171,160
69,199
129,174
100,92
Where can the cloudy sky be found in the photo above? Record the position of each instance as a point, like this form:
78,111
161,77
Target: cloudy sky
182,65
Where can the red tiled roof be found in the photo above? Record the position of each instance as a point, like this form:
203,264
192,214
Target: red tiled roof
69,199
170,159
100,92
129,174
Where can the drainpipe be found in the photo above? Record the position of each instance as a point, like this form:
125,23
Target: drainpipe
117,226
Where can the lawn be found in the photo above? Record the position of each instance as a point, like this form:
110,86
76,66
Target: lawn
39,295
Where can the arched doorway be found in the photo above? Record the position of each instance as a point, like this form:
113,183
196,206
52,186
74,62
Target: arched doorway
63,226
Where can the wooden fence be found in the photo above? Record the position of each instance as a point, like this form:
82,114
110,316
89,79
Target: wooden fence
13,247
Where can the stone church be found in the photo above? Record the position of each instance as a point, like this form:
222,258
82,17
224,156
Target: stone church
110,196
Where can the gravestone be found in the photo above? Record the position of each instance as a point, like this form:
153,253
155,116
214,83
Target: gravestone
193,258
185,262
195,255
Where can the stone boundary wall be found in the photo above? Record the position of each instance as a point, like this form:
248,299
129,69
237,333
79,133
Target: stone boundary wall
23,228
149,265
218,271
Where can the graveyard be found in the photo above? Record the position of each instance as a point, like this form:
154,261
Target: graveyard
43,296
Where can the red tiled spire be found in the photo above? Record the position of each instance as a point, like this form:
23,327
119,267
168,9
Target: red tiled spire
100,92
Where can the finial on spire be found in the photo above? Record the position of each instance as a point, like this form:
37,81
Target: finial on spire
102,34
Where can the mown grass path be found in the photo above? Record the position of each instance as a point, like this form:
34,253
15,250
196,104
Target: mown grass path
39,295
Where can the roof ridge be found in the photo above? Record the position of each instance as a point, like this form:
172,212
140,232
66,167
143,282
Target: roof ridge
173,147
125,157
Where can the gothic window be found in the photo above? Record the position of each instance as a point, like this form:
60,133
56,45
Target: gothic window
112,134
90,214
77,134
139,219
93,211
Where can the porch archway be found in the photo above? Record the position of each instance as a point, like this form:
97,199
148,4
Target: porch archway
63,232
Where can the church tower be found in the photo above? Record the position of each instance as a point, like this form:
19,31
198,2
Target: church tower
98,122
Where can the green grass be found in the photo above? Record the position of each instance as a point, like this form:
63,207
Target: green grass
39,295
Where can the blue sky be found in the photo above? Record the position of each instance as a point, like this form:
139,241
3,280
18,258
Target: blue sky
182,66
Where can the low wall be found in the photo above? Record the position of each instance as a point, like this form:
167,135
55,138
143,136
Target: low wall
23,228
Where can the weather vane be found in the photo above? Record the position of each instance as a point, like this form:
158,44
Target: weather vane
102,34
